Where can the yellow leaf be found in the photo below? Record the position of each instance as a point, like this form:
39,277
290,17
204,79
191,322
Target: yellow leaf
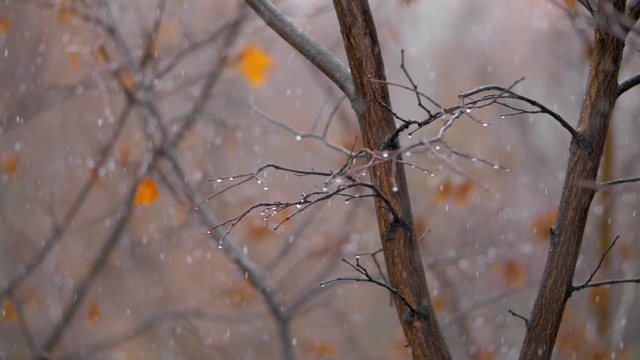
9,311
5,24
253,64
93,314
147,192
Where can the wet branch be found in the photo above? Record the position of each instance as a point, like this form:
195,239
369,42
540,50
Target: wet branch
368,278
320,57
617,182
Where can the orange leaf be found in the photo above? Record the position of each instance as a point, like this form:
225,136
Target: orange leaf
321,348
514,274
542,222
462,193
240,295
147,192
125,156
93,314
95,178
571,4
128,80
5,24
64,15
437,303
396,34
10,162
100,55
253,63
166,34
459,193
399,348
422,225
9,311
598,295
484,355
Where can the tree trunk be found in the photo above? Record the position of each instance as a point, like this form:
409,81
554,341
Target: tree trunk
401,252
584,160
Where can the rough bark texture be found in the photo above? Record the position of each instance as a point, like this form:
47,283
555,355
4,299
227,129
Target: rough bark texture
577,194
401,252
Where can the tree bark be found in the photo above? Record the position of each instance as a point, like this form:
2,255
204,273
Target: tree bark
401,252
584,160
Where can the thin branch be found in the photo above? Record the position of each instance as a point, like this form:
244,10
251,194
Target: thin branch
514,95
82,289
58,232
628,84
299,135
634,10
235,253
27,334
335,70
153,322
367,278
606,282
604,255
526,321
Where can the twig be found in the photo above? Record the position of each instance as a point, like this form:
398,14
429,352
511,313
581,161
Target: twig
589,284
58,232
299,135
628,84
617,182
604,255
100,261
526,321
367,278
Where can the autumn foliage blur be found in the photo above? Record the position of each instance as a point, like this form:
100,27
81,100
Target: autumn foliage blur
108,116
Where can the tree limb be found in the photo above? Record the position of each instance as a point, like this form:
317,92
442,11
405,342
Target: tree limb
319,56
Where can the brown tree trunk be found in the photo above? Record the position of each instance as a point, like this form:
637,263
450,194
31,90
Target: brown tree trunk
584,160
401,252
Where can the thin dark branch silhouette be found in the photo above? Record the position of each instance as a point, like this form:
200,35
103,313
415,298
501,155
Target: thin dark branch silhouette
526,321
607,184
368,278
300,135
604,255
589,283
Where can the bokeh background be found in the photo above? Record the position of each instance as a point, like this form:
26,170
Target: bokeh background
167,291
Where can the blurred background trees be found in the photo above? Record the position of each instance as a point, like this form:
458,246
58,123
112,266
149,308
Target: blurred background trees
116,116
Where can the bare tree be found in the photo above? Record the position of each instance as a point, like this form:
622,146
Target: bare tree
613,21
150,90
